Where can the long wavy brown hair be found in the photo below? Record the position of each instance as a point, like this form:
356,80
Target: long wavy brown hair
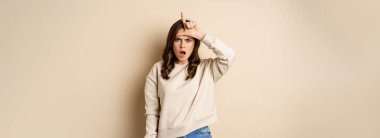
169,57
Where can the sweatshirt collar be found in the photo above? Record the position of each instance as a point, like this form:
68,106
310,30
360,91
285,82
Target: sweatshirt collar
185,63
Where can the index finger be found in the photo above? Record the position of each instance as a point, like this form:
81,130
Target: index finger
183,20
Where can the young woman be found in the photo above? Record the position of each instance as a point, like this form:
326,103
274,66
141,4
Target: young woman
179,93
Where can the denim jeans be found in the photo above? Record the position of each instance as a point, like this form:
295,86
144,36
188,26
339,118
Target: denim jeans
203,132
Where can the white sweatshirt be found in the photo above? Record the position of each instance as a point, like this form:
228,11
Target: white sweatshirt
176,107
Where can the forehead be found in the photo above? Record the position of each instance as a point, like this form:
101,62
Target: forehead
182,36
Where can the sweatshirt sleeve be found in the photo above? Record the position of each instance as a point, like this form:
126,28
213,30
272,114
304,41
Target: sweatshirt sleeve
152,104
225,56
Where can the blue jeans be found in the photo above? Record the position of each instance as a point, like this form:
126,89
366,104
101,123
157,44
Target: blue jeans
203,132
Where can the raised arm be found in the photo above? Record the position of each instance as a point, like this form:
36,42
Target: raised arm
225,55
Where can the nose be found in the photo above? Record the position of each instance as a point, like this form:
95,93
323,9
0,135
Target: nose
182,45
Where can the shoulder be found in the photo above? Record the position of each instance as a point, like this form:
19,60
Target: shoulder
156,67
206,61
158,64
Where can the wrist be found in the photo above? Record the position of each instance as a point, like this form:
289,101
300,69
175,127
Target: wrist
201,35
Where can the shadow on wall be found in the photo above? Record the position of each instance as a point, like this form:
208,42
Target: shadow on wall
137,112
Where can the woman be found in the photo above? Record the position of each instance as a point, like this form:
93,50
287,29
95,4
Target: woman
179,97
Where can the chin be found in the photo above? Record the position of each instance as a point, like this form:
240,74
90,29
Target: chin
181,60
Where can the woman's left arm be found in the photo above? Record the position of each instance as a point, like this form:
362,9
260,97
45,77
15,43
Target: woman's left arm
225,56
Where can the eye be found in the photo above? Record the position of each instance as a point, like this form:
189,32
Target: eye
176,40
188,40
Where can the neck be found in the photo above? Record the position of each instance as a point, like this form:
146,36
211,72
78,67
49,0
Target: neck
182,62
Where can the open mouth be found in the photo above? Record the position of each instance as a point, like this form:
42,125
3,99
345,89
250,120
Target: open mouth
182,53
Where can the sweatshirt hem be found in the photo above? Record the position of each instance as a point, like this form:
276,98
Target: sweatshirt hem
174,133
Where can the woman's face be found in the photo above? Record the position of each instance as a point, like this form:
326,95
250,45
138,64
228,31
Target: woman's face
183,47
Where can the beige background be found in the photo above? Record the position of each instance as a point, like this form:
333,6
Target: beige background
304,69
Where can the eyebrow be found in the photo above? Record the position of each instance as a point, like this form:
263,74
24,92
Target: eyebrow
183,38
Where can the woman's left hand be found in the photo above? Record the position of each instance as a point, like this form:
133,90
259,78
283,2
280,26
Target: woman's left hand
191,29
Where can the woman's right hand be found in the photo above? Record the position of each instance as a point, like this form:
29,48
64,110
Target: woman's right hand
191,29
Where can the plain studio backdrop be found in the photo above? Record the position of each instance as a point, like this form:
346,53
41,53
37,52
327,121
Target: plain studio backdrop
304,69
